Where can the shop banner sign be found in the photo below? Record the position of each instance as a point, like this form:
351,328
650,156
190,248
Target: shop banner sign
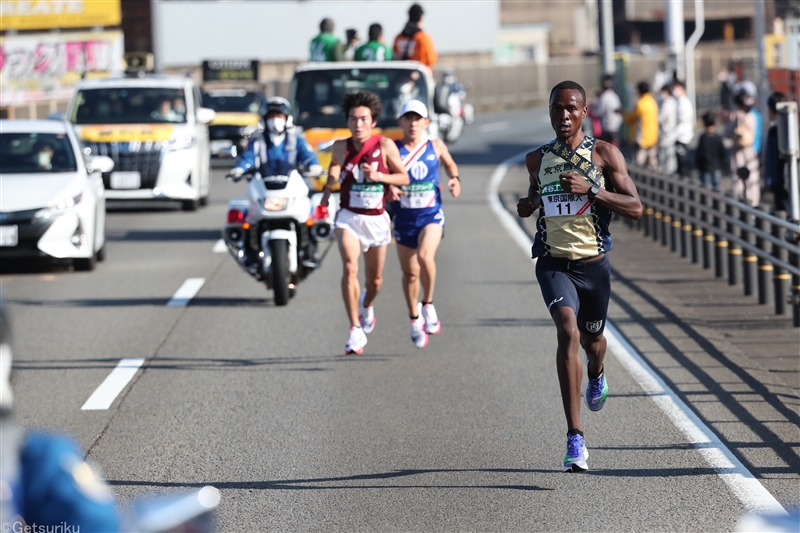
52,14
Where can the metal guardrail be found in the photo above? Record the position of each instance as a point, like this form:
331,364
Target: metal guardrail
741,243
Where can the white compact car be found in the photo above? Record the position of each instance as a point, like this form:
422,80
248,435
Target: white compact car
155,130
52,199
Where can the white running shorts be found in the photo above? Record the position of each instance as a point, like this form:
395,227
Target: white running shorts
371,230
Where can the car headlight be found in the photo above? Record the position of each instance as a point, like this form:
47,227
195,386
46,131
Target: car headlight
64,203
274,203
181,143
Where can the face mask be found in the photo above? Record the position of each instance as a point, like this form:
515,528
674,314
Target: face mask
44,159
276,124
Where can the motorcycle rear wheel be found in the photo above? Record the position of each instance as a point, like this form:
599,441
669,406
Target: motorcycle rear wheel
279,270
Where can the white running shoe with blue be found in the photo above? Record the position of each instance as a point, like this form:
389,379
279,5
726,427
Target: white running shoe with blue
366,314
577,454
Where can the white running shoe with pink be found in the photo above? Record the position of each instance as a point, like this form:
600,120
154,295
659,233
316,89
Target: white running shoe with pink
356,342
432,324
366,315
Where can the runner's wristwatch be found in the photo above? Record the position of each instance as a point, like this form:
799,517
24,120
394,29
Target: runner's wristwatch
593,191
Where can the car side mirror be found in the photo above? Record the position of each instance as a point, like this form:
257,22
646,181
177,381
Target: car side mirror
205,115
100,163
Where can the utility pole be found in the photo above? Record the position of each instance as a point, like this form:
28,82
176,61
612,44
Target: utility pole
607,22
763,84
699,29
673,31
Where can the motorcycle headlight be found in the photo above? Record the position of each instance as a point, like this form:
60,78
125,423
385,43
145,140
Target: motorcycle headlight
275,203
181,143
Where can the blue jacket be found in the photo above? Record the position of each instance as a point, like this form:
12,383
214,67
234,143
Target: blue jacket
276,159
56,486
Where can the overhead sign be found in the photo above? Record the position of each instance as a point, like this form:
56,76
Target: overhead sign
52,14
230,70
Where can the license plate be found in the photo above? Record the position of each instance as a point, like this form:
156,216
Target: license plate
9,235
216,146
126,180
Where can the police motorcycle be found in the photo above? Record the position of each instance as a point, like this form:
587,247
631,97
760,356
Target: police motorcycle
274,233
448,102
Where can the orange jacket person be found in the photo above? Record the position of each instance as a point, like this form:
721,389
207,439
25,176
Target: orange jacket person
413,43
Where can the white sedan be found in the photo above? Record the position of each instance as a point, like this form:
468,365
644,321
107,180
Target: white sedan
52,200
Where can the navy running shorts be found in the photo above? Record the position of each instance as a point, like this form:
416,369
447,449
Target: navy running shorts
406,231
585,286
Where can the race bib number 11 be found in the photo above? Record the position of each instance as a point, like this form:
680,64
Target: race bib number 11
565,204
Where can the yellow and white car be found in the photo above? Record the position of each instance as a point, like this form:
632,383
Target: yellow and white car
154,129
238,114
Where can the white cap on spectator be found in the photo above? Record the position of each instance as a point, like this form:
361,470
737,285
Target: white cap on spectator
414,106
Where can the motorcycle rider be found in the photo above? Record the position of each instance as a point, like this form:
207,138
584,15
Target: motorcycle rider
278,151
44,480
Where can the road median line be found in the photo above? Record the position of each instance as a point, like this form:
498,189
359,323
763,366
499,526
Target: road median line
115,382
186,292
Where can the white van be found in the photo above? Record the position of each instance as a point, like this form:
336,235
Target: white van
154,128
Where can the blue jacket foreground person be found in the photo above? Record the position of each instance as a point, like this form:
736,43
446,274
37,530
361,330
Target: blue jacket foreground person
280,149
44,481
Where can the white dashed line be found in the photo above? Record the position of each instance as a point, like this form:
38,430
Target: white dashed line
739,479
494,126
186,292
220,247
109,389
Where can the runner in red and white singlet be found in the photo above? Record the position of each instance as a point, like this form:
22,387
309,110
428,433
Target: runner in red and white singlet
365,164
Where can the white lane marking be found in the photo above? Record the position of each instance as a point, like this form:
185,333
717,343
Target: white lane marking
733,473
186,292
739,479
494,126
220,247
109,389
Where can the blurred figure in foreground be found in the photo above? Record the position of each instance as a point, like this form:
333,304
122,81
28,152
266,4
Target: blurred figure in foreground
645,118
44,480
374,49
710,155
325,46
745,171
413,43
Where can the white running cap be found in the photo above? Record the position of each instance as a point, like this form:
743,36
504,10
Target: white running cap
413,106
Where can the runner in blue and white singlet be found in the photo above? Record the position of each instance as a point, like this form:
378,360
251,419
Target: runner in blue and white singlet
422,202
418,216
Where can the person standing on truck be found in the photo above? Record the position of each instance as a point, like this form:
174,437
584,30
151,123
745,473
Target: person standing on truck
374,49
413,43
325,46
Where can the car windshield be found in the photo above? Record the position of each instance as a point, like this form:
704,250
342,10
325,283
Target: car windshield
317,95
33,153
244,102
129,105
